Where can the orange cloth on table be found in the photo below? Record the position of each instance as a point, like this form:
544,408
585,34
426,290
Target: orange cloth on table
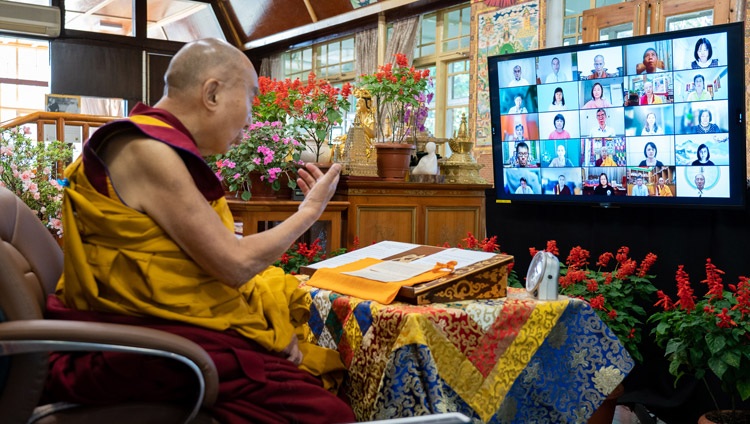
363,288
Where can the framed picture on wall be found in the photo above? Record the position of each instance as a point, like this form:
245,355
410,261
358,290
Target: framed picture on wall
63,103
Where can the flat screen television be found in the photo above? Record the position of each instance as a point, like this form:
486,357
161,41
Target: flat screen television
648,120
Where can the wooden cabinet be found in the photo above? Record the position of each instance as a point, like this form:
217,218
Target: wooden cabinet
260,215
422,213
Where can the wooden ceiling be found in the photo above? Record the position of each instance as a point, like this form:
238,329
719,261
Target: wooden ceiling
269,17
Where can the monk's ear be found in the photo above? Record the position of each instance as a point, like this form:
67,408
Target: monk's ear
210,93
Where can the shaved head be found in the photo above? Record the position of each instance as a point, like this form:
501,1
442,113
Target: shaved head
200,60
210,87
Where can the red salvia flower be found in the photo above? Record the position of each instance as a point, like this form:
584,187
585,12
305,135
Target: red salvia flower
612,314
578,257
684,290
604,259
552,247
592,286
598,302
743,297
627,268
646,264
725,321
714,281
622,254
664,301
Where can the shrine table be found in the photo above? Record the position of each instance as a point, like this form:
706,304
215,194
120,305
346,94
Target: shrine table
509,360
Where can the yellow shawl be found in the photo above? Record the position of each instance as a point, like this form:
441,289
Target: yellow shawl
119,260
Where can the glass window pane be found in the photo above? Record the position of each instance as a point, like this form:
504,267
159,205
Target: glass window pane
183,21
334,53
699,19
466,20
8,61
569,26
614,32
450,45
103,16
320,59
600,3
452,24
576,7
347,50
459,88
453,119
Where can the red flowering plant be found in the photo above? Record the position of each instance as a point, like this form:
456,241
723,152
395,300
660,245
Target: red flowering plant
488,245
314,108
708,335
616,289
401,99
301,254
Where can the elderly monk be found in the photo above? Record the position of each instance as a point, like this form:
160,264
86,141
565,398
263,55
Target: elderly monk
149,241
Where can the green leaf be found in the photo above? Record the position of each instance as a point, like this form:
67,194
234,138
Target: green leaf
743,388
717,366
716,342
731,358
246,195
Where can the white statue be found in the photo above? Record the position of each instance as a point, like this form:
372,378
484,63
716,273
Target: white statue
428,165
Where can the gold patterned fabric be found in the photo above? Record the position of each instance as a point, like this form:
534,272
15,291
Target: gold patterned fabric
509,360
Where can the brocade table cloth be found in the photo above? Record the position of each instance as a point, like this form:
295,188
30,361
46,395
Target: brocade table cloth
510,360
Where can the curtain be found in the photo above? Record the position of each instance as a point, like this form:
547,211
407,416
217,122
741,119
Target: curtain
272,67
403,39
366,51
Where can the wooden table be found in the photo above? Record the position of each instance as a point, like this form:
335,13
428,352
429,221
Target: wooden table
259,215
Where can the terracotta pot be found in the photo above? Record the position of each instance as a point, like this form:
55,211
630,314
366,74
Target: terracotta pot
393,160
606,411
725,417
261,190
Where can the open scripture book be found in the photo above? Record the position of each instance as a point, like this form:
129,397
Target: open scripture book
412,273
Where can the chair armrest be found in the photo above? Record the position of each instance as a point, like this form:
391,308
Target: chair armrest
26,336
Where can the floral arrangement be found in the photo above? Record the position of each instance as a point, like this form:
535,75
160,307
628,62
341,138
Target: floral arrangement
300,254
314,108
28,169
613,289
401,99
265,149
488,245
708,335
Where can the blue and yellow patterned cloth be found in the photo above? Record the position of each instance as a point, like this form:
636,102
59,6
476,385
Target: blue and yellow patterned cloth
510,360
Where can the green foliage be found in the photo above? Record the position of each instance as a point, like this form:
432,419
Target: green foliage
711,335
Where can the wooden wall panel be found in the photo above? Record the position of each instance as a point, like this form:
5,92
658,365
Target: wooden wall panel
261,18
325,9
98,70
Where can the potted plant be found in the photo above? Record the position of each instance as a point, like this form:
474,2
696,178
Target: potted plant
400,95
301,254
29,169
263,163
711,335
615,288
311,110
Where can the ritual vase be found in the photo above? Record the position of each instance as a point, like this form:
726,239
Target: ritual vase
606,411
393,160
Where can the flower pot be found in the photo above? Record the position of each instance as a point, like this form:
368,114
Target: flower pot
606,411
725,417
262,190
393,160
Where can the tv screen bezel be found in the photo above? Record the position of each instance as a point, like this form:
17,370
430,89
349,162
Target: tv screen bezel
735,110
